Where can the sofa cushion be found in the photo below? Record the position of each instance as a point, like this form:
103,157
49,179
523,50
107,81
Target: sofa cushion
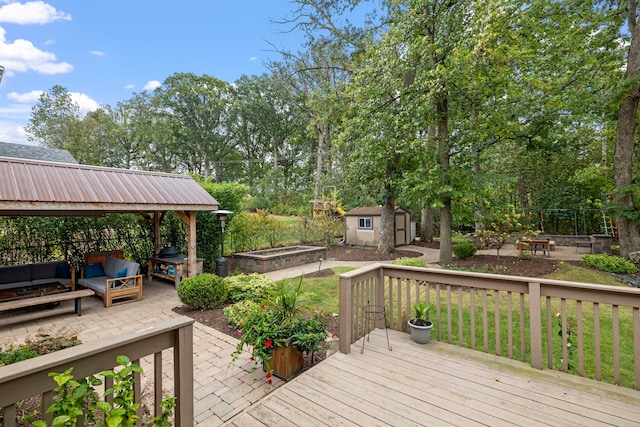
44,270
113,265
15,273
132,268
97,284
63,270
121,273
93,270
15,285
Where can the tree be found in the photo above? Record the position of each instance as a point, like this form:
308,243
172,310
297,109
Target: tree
625,182
198,111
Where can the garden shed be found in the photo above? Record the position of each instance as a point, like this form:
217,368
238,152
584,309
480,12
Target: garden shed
363,226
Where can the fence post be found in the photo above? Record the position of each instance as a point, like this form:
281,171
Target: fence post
346,315
183,376
535,324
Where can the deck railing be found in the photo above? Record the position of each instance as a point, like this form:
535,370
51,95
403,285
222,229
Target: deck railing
585,329
29,378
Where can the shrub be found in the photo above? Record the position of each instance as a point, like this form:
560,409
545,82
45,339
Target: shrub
610,264
235,312
464,250
248,286
414,262
203,292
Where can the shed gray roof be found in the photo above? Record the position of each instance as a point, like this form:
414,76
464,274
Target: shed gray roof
29,187
34,152
370,211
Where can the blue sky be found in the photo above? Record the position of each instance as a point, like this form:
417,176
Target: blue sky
104,51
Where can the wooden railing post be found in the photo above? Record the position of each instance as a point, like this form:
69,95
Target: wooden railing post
346,315
183,376
379,293
535,324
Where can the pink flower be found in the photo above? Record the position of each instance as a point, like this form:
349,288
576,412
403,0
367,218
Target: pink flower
239,333
558,314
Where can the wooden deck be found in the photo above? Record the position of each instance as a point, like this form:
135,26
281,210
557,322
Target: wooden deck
438,384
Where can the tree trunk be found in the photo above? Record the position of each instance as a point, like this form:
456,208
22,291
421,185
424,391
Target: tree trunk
316,189
628,234
386,244
427,229
446,245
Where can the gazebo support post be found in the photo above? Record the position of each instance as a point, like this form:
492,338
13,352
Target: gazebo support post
189,218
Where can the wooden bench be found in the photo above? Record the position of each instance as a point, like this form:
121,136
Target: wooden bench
48,299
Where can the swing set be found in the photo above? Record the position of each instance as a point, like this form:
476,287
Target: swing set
575,221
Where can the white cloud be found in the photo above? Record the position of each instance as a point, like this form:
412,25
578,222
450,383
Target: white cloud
130,86
152,84
25,98
253,58
85,103
22,55
13,132
97,53
33,12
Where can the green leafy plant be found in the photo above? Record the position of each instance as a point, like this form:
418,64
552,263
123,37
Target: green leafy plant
279,320
72,399
236,312
204,291
608,263
253,287
410,261
464,250
421,314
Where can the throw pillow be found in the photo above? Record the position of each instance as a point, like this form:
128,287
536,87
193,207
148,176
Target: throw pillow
62,270
121,273
93,270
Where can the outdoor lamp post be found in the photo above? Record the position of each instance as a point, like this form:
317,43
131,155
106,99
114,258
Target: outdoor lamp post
222,264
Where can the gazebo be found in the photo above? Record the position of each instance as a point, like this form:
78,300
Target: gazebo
43,188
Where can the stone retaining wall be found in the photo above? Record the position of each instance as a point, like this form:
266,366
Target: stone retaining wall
277,259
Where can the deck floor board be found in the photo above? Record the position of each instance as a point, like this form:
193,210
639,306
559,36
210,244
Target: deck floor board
439,384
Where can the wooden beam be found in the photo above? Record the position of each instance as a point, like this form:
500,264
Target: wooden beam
189,218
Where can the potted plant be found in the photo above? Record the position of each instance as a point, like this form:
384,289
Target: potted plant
279,330
420,326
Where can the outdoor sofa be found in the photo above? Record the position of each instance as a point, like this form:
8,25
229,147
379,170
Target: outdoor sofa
111,277
36,274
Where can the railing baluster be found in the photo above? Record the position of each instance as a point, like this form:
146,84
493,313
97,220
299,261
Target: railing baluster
580,349
636,346
496,315
157,383
523,339
549,333
449,316
485,321
460,317
472,299
596,340
509,323
616,344
565,352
